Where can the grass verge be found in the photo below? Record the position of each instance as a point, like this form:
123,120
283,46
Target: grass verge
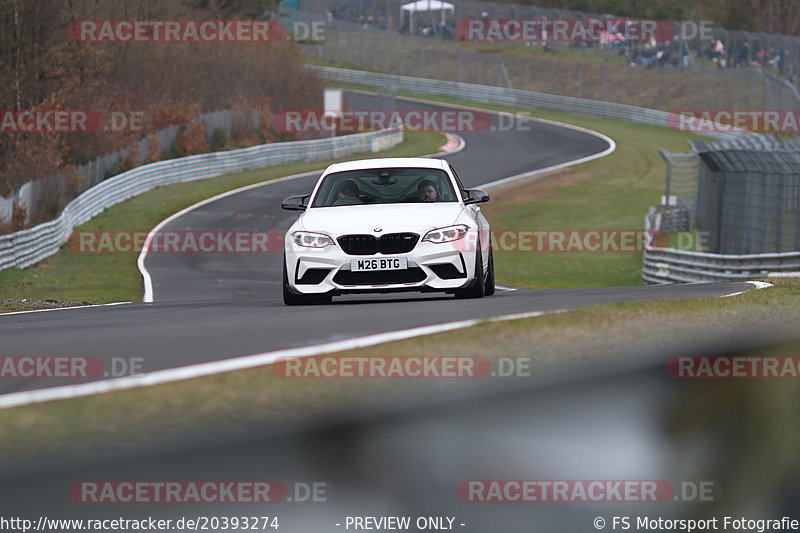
73,277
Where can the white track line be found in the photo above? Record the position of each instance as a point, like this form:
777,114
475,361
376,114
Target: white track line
159,377
62,308
756,284
504,288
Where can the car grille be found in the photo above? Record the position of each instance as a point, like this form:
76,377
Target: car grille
391,243
379,277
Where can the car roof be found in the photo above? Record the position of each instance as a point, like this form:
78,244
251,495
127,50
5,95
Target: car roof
387,162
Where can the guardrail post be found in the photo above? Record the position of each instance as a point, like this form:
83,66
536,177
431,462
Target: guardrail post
403,53
528,74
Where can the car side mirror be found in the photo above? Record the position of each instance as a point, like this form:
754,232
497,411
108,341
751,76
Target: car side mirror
476,196
296,203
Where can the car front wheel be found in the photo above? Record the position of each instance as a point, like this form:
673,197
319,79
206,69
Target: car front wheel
489,289
290,298
478,287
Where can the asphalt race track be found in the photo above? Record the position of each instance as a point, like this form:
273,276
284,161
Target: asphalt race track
210,307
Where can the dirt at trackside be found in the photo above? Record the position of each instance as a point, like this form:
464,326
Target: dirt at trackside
7,306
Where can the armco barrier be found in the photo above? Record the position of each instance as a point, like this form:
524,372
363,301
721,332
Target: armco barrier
26,247
661,265
513,97
667,265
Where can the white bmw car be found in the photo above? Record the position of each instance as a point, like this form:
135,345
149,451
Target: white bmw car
387,225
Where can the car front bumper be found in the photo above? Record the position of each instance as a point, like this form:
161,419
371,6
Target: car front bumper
431,267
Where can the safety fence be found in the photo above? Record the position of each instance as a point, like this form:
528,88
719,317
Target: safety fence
740,48
26,247
634,79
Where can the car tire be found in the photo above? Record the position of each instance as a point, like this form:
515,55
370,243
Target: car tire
291,298
478,287
489,288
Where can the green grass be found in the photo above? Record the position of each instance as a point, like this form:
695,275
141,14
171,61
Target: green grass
71,276
611,193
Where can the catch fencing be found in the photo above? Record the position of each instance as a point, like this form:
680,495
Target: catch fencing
739,45
740,200
29,246
577,72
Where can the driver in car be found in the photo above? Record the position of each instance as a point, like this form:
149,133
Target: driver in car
348,189
426,191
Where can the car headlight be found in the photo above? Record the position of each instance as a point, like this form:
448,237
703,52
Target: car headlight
311,240
450,233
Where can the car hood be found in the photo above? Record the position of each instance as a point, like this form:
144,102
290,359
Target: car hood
391,218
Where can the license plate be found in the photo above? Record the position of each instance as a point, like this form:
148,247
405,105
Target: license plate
384,263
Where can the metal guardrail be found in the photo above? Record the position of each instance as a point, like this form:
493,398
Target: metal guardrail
661,265
26,247
667,265
514,97
670,265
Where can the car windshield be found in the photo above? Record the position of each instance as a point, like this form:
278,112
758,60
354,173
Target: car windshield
384,186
